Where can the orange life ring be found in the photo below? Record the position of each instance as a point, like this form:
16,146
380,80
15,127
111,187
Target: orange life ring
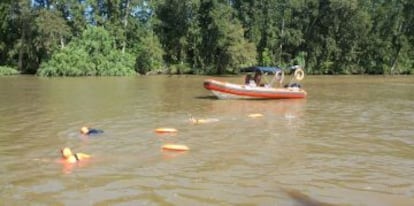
175,147
165,130
299,74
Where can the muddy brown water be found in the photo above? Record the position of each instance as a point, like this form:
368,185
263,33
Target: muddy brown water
350,142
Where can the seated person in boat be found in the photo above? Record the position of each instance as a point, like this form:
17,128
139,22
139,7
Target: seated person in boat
258,78
293,85
254,81
249,80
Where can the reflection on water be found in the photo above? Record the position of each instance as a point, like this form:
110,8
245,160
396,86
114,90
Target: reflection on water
349,143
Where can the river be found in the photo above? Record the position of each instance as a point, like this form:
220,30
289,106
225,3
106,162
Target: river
350,142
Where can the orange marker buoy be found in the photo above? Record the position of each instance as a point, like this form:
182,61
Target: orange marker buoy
175,147
255,115
165,130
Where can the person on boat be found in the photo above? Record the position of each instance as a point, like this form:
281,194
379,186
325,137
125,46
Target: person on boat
90,131
296,73
293,85
294,68
247,79
258,77
70,157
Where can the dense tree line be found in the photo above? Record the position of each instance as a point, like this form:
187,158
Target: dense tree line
125,37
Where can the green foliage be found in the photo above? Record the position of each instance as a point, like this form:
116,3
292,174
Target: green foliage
121,37
5,26
91,55
223,45
173,26
239,52
115,63
74,13
4,71
52,32
23,50
69,61
179,69
266,58
149,55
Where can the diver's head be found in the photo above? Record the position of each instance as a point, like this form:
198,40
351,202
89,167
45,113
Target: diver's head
84,130
66,152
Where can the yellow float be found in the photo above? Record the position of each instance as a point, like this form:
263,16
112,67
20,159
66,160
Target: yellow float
255,115
166,130
175,147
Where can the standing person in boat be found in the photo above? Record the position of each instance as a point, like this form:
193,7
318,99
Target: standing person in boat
297,74
258,77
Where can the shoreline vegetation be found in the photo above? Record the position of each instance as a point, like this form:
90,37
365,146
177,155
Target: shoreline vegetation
8,71
212,37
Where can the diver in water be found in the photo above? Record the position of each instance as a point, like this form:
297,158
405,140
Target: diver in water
71,157
202,121
90,131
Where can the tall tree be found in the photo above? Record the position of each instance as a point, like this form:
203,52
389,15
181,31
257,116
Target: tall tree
149,54
24,51
265,25
76,13
52,31
6,37
174,20
390,37
223,45
115,16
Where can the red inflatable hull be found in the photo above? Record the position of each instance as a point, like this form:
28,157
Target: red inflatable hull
226,90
